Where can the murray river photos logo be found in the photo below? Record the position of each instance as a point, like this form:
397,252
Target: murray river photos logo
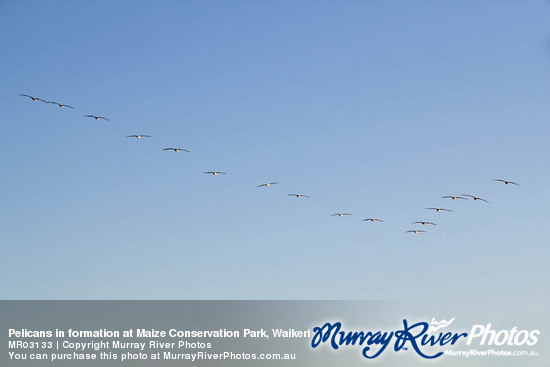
424,338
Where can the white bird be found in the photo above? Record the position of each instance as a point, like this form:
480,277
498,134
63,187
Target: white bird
475,197
33,98
453,197
439,209
138,136
506,182
97,117
339,214
177,149
267,184
299,195
215,173
61,104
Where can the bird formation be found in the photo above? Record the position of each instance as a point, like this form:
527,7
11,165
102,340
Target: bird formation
436,209
43,100
439,210
269,184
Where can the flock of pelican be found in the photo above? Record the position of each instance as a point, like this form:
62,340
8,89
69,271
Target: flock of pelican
43,100
452,197
439,210
269,184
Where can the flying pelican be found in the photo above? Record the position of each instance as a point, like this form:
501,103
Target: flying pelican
339,214
415,231
298,195
506,182
138,136
475,197
97,117
425,223
453,197
267,184
177,149
215,173
60,104
372,220
439,209
33,98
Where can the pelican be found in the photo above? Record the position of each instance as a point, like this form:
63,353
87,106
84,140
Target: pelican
60,104
475,197
215,173
415,231
33,98
439,209
138,136
339,214
299,195
506,182
267,184
372,220
177,149
425,223
97,117
453,197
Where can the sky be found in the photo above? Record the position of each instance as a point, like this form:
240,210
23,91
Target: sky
372,108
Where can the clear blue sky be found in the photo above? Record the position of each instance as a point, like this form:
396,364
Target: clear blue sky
373,108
